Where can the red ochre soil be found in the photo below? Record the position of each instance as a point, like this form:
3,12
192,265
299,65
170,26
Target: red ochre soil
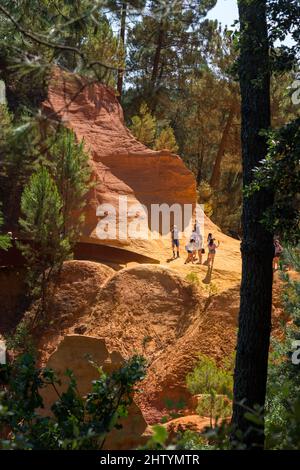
150,310
147,309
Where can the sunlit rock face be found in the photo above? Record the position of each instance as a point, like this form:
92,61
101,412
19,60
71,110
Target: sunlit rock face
121,166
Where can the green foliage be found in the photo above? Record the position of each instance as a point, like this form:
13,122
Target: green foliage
205,197
166,45
5,241
21,340
5,124
51,207
190,440
42,224
282,407
68,163
160,434
75,35
175,407
158,439
207,377
166,140
215,406
214,384
282,416
283,18
143,126
193,278
280,172
171,404
102,47
77,422
20,154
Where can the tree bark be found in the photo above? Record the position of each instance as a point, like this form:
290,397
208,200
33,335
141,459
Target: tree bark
122,38
250,375
159,46
199,163
216,173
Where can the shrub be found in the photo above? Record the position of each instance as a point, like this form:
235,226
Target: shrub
77,422
215,383
193,278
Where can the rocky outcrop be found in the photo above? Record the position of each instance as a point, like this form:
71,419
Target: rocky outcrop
139,309
194,423
121,165
151,310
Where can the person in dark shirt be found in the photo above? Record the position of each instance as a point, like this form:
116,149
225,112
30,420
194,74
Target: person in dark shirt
175,241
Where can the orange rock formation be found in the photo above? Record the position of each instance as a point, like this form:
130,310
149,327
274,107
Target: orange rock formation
121,165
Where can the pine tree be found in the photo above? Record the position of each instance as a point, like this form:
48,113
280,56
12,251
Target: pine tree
166,45
71,171
144,126
75,35
166,140
42,225
19,155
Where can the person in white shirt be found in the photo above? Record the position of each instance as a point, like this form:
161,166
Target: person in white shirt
199,241
190,248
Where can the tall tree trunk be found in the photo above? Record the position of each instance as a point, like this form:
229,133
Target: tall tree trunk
199,171
250,375
122,38
216,173
199,162
159,46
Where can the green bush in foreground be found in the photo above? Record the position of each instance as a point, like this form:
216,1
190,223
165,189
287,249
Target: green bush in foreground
77,422
214,384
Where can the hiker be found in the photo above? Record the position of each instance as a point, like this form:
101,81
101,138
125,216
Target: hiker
209,238
175,241
190,248
212,247
196,235
278,250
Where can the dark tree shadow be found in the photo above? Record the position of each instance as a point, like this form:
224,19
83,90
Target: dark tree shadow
207,278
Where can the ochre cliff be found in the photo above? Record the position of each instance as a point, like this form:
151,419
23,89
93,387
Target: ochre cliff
121,165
